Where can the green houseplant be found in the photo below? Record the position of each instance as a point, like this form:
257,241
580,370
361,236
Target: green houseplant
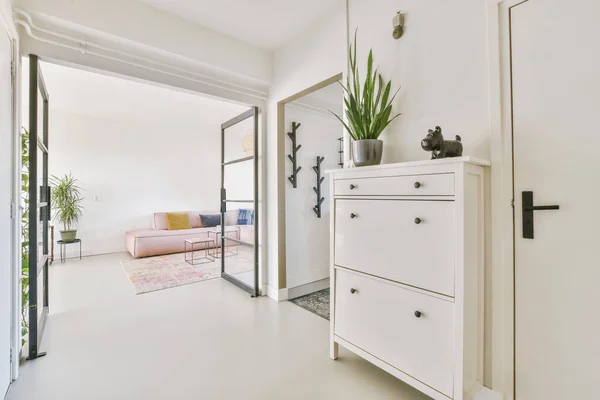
24,235
368,110
66,203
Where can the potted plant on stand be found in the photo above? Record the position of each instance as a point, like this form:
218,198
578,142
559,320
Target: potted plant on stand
368,110
66,203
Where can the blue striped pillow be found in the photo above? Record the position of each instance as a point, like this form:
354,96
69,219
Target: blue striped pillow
246,217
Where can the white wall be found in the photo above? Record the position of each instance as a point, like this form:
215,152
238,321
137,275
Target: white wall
314,57
13,249
6,198
307,237
5,9
131,169
441,64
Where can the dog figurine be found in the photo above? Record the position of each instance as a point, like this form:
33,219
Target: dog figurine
440,148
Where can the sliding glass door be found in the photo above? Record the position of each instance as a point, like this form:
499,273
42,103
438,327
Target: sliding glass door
39,206
239,201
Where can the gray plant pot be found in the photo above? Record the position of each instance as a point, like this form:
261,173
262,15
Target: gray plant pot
367,152
68,236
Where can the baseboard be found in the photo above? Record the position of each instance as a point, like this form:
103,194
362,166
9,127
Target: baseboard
277,294
84,254
308,288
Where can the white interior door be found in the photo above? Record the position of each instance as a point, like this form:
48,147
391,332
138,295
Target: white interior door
556,100
5,200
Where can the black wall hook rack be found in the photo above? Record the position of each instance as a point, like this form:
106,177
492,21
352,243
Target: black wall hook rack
317,189
341,152
293,157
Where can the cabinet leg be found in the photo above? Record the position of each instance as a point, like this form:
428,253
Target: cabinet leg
334,350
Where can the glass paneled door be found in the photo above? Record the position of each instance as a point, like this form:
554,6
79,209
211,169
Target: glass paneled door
238,232
39,206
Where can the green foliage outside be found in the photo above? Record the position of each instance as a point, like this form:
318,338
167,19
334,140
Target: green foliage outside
24,234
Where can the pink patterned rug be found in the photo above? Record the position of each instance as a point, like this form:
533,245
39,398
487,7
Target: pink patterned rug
164,272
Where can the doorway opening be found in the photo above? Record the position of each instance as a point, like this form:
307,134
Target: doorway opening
154,178
313,144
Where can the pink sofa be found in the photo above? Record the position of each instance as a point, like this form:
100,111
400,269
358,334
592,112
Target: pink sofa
159,240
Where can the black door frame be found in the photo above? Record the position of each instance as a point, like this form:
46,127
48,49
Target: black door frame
39,207
251,113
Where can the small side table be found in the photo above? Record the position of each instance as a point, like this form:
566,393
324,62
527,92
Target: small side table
208,257
232,232
63,249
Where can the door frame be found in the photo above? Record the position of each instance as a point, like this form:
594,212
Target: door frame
10,29
280,293
154,79
502,187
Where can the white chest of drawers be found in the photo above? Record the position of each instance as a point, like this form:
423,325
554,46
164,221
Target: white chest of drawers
407,271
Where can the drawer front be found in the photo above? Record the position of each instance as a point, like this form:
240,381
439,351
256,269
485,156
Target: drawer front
379,317
382,238
410,185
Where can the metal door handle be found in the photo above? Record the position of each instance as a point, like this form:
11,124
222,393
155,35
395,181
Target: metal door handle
541,208
528,209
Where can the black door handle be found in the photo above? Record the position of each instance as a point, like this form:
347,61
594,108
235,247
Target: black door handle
528,209
540,208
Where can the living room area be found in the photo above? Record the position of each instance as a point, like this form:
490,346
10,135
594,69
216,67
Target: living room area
135,173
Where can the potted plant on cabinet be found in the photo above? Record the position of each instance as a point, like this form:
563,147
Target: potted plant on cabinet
368,110
66,203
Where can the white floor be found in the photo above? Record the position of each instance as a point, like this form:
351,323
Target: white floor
208,340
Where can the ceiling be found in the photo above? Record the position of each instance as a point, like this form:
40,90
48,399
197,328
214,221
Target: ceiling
267,24
92,94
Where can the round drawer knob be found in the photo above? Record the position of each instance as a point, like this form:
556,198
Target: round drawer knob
352,187
418,220
352,215
352,290
417,185
418,314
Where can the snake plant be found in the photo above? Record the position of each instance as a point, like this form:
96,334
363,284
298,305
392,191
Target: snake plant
368,109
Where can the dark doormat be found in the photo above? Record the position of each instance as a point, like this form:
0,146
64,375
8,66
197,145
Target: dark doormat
317,303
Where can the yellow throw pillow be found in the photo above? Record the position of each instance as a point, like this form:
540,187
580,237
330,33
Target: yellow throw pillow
176,221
